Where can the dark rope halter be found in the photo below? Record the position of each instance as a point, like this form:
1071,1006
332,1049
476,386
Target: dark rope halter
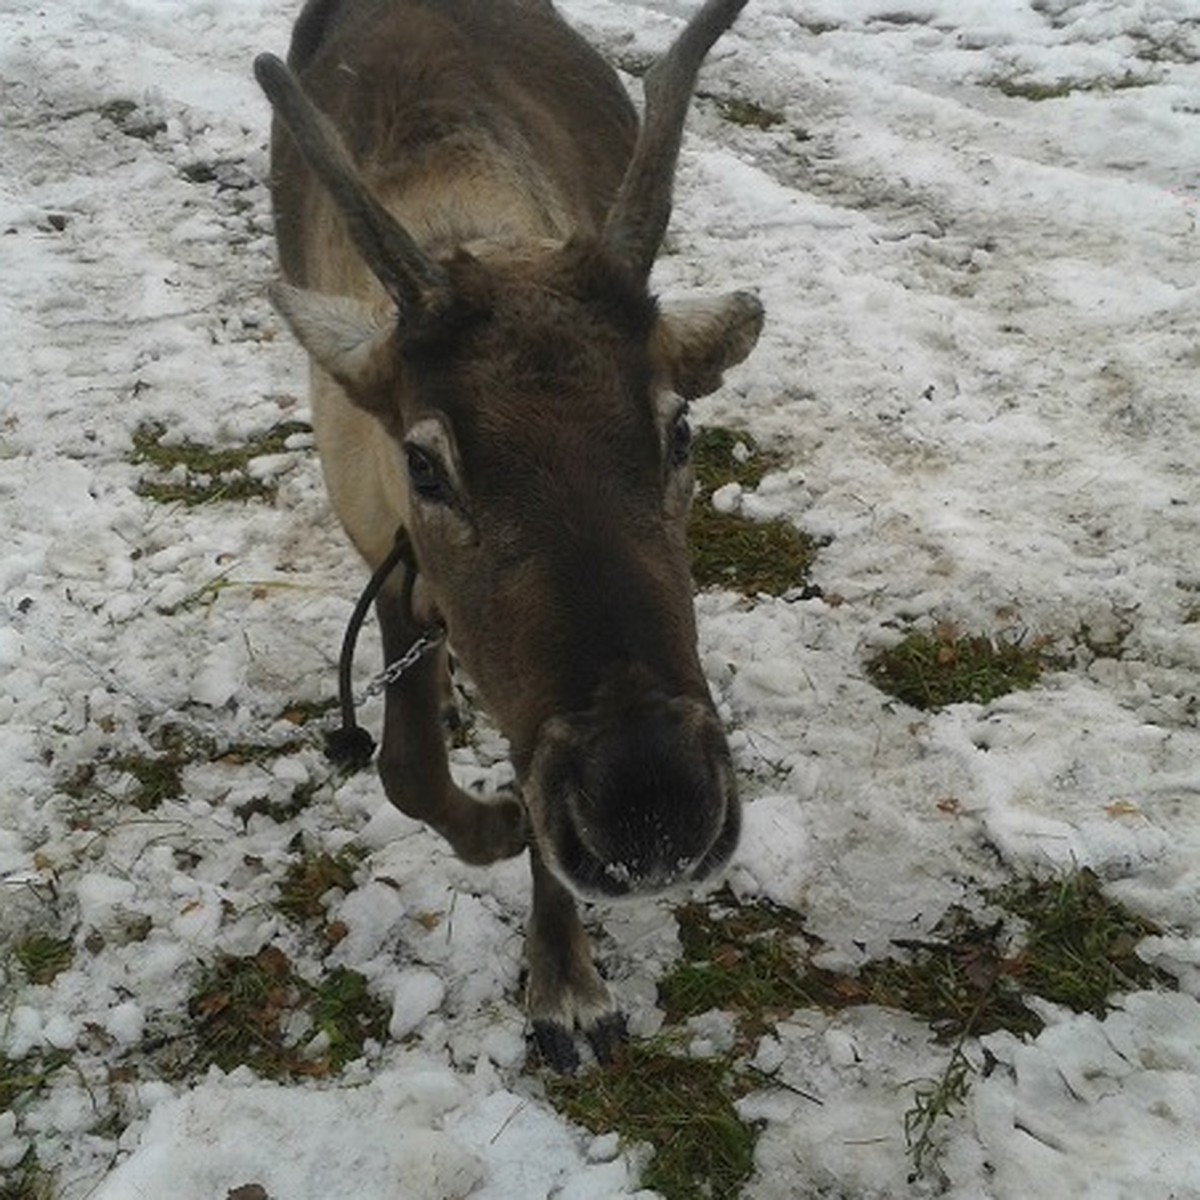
351,745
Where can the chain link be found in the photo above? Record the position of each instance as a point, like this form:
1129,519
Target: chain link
413,655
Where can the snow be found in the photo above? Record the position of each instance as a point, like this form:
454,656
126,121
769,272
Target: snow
980,367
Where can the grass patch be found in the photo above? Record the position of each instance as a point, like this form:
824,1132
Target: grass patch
746,958
201,474
142,778
721,456
347,1014
43,958
1069,943
1172,48
748,113
1077,950
936,1101
28,1180
634,63
131,120
1029,89
1078,946
931,670
747,556
279,811
23,1078
147,778
156,778
731,551
902,18
1060,939
311,878
682,1107
258,1012
960,980
21,1082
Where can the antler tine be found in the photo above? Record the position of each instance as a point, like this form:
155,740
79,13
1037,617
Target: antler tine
410,277
638,218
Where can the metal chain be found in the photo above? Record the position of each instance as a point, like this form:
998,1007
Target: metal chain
413,655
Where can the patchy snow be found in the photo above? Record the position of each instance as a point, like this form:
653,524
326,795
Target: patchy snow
981,369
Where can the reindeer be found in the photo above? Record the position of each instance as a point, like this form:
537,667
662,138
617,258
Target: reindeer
467,214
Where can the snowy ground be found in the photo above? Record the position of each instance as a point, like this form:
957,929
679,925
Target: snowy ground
980,365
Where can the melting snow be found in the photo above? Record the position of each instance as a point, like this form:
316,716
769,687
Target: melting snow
980,366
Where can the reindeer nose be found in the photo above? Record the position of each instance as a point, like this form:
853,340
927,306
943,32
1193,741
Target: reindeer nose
643,802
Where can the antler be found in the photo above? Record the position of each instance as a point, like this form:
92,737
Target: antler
412,279
638,218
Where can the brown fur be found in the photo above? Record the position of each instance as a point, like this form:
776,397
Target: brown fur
519,360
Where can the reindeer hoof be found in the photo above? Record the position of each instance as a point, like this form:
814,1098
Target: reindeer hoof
555,1045
607,1036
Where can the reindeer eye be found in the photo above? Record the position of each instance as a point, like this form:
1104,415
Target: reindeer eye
679,441
426,476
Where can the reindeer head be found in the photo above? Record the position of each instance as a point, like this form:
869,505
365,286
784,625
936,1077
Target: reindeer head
536,398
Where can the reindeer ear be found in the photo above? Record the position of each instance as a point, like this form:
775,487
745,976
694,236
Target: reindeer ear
696,340
350,339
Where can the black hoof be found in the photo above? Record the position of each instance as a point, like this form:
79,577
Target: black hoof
607,1037
555,1046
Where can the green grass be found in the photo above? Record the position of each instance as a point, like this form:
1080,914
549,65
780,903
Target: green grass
682,1107
28,1180
131,120
721,456
147,778
746,958
347,1014
1078,947
931,670
43,958
243,1008
209,472
310,877
23,1078
1033,90
279,811
750,557
1060,939
738,110
21,1082
730,551
960,980
934,1102
156,777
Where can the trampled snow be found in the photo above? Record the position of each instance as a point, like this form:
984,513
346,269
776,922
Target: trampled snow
981,370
